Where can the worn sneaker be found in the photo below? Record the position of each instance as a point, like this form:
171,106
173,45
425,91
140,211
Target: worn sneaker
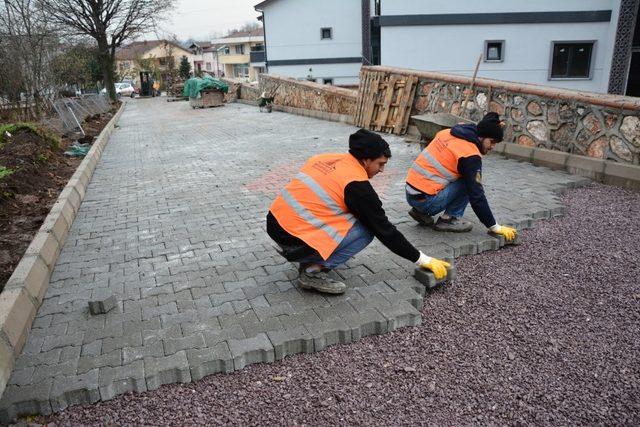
453,224
320,282
422,219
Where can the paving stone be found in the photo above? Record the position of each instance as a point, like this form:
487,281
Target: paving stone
247,351
25,400
210,360
113,381
292,341
87,363
329,332
185,267
173,345
166,370
71,390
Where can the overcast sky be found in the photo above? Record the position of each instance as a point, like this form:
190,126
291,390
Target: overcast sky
199,19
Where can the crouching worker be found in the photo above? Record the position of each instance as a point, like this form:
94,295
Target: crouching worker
329,212
447,175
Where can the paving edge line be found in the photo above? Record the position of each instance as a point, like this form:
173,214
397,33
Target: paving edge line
317,114
374,310
606,171
25,289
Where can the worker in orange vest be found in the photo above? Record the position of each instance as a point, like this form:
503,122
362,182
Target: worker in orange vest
329,212
447,175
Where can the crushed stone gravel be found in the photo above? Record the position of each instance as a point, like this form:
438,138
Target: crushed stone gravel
547,332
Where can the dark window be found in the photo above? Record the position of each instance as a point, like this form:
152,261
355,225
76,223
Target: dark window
571,60
494,50
257,48
325,33
327,81
240,49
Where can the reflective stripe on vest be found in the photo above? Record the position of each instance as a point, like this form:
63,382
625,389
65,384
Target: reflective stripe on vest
319,191
312,206
308,216
437,165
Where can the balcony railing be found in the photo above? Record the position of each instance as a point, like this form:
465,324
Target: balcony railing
257,56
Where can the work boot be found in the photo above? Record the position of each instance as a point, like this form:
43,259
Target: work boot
422,219
453,224
321,282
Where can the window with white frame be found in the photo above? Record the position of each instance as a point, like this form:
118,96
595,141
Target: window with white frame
208,66
326,33
240,49
571,60
241,70
494,51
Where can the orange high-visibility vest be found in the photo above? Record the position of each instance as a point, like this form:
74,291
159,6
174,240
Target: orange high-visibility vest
312,207
437,164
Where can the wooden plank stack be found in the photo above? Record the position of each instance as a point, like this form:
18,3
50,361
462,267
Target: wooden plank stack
384,101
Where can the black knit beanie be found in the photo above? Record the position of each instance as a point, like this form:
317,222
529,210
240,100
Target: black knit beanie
368,145
489,127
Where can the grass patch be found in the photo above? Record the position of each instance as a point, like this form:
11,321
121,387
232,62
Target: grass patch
13,128
5,171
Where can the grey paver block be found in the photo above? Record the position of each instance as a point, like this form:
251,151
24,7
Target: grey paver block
166,370
102,306
25,400
87,363
366,322
74,390
113,381
247,351
173,345
401,314
427,278
329,332
210,360
291,341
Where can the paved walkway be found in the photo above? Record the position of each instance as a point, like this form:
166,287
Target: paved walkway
173,225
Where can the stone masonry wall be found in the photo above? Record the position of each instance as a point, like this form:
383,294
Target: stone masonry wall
309,95
591,124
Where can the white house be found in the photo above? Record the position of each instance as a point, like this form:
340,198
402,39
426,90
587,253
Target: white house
205,58
567,43
321,39
575,44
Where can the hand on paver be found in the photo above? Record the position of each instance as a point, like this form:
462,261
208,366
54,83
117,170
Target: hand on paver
437,266
509,233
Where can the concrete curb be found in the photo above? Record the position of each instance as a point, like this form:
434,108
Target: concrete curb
605,171
25,289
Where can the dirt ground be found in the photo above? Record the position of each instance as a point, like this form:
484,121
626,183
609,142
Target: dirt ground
27,194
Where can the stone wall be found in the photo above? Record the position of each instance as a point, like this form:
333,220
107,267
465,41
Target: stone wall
596,125
309,96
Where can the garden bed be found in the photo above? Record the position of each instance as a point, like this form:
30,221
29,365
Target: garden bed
33,172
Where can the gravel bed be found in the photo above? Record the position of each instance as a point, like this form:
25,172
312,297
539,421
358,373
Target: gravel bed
543,333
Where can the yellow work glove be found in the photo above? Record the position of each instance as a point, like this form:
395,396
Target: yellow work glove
509,233
437,266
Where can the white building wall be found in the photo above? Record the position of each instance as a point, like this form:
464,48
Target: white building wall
527,57
342,74
293,29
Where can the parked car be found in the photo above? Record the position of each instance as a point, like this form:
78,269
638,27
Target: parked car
123,89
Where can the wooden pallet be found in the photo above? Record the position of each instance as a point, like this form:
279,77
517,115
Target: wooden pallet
384,101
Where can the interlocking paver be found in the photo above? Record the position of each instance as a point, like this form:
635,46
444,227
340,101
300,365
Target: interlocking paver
172,225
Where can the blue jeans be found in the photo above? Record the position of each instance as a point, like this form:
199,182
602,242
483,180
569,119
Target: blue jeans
356,240
452,199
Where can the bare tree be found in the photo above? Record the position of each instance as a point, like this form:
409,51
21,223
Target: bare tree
27,46
110,23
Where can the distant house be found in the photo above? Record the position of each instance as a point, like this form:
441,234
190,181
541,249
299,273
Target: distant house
309,39
205,57
241,54
159,55
574,44
591,45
